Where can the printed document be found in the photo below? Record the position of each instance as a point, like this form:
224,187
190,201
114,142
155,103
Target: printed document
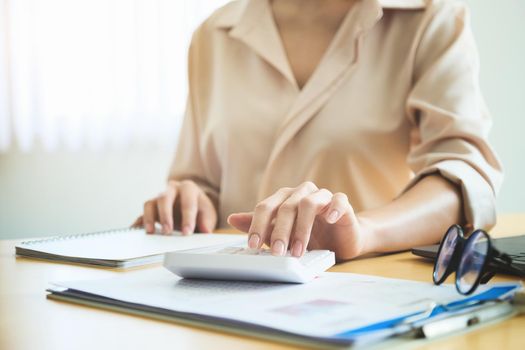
331,304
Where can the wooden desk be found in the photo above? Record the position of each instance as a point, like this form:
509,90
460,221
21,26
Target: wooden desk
29,321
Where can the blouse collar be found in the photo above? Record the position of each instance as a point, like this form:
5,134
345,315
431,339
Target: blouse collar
235,13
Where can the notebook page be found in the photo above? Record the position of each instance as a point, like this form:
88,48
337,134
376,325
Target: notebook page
126,244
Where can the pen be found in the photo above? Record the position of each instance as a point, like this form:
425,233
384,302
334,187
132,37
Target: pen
433,329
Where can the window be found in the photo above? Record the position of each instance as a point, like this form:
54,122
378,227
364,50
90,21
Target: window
93,74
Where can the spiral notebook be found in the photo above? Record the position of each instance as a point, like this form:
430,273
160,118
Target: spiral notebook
120,248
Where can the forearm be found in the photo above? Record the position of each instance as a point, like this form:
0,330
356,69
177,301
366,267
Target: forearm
418,217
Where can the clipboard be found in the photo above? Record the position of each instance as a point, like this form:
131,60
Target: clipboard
159,294
442,319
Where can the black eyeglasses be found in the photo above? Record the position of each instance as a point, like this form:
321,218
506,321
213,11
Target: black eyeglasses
475,259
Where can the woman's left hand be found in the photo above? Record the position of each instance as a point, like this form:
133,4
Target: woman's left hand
304,217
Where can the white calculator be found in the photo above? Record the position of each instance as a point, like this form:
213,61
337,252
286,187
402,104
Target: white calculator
244,264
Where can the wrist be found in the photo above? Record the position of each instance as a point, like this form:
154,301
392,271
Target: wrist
369,232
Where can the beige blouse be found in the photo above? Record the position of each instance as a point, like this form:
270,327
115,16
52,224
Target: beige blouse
395,97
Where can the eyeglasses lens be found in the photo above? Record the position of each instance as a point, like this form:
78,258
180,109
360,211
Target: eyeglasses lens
472,261
445,255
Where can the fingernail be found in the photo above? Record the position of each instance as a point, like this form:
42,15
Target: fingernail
253,242
148,228
278,248
297,249
166,229
186,230
333,216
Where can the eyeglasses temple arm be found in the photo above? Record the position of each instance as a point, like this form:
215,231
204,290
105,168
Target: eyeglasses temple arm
505,260
487,276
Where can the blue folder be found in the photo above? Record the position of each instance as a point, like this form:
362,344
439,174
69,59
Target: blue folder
500,292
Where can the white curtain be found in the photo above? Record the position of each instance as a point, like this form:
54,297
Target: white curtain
94,74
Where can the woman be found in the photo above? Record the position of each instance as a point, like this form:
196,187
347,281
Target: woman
355,126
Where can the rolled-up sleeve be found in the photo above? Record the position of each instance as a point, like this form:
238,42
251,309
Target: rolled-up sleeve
192,157
449,118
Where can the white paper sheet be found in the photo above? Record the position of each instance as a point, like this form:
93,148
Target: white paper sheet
331,304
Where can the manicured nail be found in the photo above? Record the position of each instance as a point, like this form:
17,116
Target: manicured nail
297,249
278,248
186,230
332,218
166,229
253,242
148,228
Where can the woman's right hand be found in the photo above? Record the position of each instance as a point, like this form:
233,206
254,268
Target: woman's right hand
182,206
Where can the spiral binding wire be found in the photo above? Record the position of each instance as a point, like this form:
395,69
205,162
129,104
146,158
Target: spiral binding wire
80,235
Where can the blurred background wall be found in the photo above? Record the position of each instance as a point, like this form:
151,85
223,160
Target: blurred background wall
44,193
